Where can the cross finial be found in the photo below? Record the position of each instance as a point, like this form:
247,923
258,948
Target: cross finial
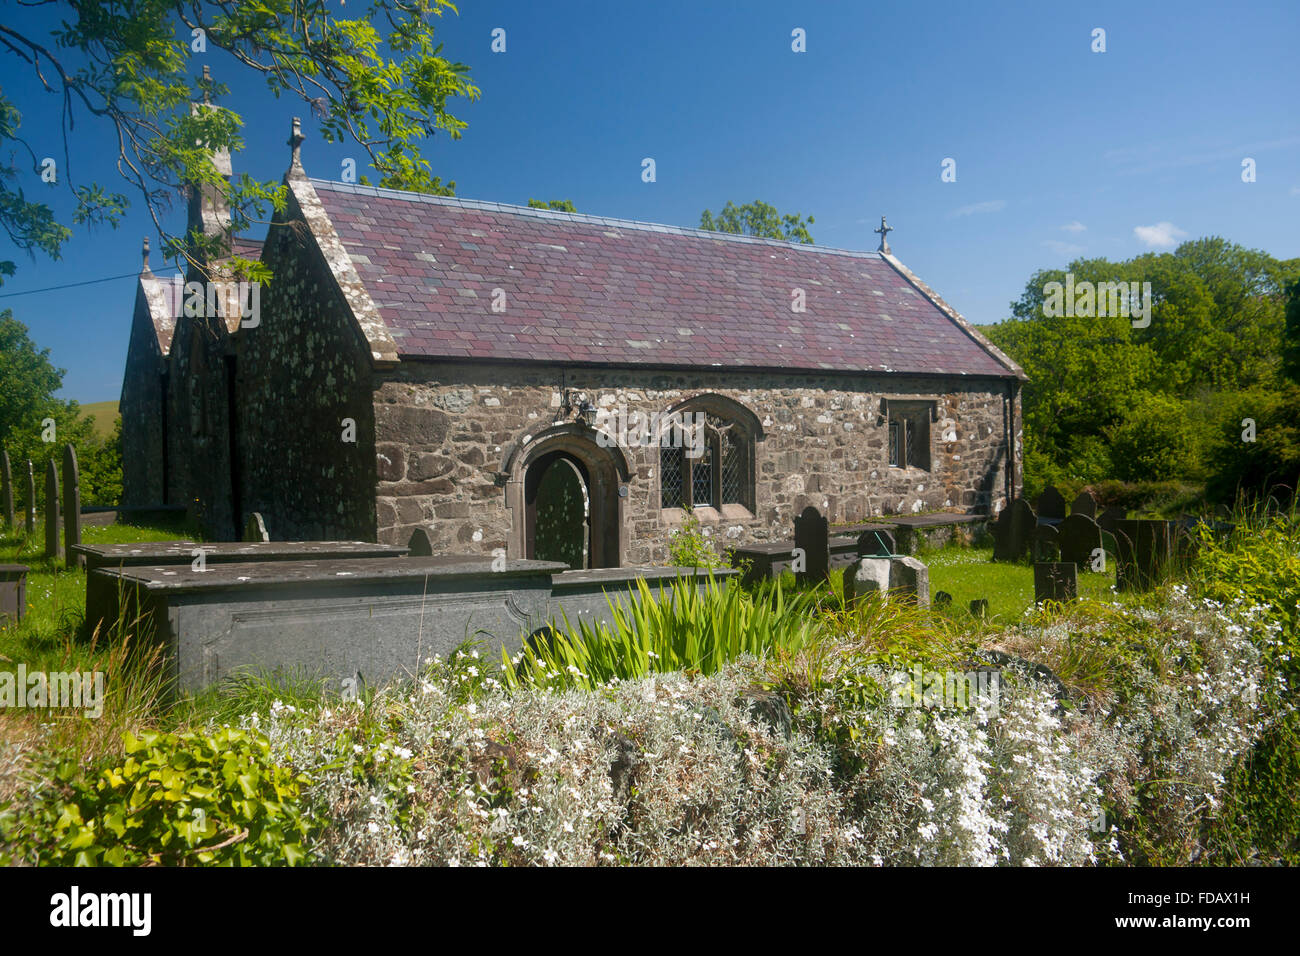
884,230
144,254
295,141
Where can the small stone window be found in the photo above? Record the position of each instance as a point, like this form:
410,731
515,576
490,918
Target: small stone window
706,461
909,433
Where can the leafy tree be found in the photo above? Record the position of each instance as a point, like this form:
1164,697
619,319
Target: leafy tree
377,79
1291,335
758,219
1155,442
29,414
559,205
1270,464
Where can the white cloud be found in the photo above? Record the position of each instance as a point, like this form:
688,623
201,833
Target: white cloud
1066,249
992,205
1163,235
1075,227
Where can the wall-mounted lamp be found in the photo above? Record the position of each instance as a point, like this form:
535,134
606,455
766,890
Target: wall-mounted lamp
587,413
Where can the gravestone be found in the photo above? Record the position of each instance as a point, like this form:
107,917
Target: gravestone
1142,550
1084,504
30,501
898,576
1047,543
53,548
980,607
876,542
811,532
72,507
1055,581
1080,537
560,523
13,592
943,600
1012,531
1110,518
868,575
1050,505
255,528
420,545
7,492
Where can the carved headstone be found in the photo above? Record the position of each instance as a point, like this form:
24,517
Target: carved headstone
980,607
71,507
1012,531
1047,543
876,542
1142,551
420,545
7,492
1110,518
1050,505
255,528
811,533
53,548
1055,581
30,501
1080,537
1084,504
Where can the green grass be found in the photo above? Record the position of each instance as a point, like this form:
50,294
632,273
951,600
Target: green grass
970,573
103,414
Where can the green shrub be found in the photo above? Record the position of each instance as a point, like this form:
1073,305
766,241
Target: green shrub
689,547
1156,441
175,799
680,629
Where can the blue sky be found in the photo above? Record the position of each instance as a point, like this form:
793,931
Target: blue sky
1059,151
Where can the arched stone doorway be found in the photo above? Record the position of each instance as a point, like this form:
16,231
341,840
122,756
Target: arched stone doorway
558,466
557,510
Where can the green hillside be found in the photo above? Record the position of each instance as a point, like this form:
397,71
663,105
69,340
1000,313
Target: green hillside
103,414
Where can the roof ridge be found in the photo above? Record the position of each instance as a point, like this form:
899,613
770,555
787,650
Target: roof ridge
580,217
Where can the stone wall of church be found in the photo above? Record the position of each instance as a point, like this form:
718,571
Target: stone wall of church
443,430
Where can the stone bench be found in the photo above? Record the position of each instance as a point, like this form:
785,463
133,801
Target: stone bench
101,590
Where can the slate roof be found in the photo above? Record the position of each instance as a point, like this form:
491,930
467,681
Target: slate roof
588,289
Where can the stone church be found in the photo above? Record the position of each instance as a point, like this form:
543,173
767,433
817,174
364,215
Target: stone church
554,384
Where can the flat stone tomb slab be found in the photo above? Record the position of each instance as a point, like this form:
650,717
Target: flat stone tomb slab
335,618
101,592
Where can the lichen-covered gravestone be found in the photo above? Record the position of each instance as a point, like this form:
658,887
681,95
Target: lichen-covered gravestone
1051,505
53,548
1080,538
895,577
71,507
255,528
30,501
1055,581
8,490
811,533
1084,504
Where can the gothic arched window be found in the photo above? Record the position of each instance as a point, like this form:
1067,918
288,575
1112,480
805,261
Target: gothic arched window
706,458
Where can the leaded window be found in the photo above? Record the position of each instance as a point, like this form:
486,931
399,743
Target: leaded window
705,461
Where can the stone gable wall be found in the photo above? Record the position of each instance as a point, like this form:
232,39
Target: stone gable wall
442,431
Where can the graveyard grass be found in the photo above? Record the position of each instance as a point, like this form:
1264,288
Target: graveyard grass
824,681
